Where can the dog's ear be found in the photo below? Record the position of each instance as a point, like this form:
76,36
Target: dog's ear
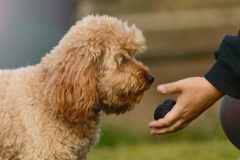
70,87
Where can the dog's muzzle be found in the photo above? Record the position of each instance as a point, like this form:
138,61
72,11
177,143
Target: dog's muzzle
149,78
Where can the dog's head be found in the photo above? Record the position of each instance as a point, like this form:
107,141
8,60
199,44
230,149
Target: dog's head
94,67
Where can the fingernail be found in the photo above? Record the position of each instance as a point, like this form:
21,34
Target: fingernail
161,88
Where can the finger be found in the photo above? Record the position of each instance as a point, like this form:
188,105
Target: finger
169,88
179,125
171,117
173,121
162,123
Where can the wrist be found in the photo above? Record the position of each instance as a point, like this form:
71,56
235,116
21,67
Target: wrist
214,92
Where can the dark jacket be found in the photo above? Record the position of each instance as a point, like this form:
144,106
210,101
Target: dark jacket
225,73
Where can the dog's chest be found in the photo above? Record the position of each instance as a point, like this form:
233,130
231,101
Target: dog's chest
81,137
54,141
74,141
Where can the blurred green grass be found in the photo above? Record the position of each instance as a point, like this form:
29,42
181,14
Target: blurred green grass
205,128
117,135
178,150
202,139
206,141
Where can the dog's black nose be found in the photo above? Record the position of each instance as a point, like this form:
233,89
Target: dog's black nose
150,78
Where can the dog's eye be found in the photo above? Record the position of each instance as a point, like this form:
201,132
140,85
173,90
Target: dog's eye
124,59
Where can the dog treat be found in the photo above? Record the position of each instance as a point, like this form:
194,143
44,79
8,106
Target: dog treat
164,108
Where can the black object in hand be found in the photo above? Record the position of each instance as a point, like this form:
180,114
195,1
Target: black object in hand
164,108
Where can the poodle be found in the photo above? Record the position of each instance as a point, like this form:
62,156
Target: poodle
51,110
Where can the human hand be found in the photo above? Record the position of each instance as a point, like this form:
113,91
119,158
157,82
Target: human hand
195,95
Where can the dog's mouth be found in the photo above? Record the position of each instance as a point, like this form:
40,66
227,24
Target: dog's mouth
125,102
112,109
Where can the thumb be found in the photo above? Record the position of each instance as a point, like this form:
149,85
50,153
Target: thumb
169,88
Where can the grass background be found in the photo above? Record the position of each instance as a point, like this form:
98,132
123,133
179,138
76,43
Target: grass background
168,151
202,139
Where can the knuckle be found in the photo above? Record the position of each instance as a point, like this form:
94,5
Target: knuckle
170,88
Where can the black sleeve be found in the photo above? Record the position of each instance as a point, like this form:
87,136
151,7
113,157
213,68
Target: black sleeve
225,73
